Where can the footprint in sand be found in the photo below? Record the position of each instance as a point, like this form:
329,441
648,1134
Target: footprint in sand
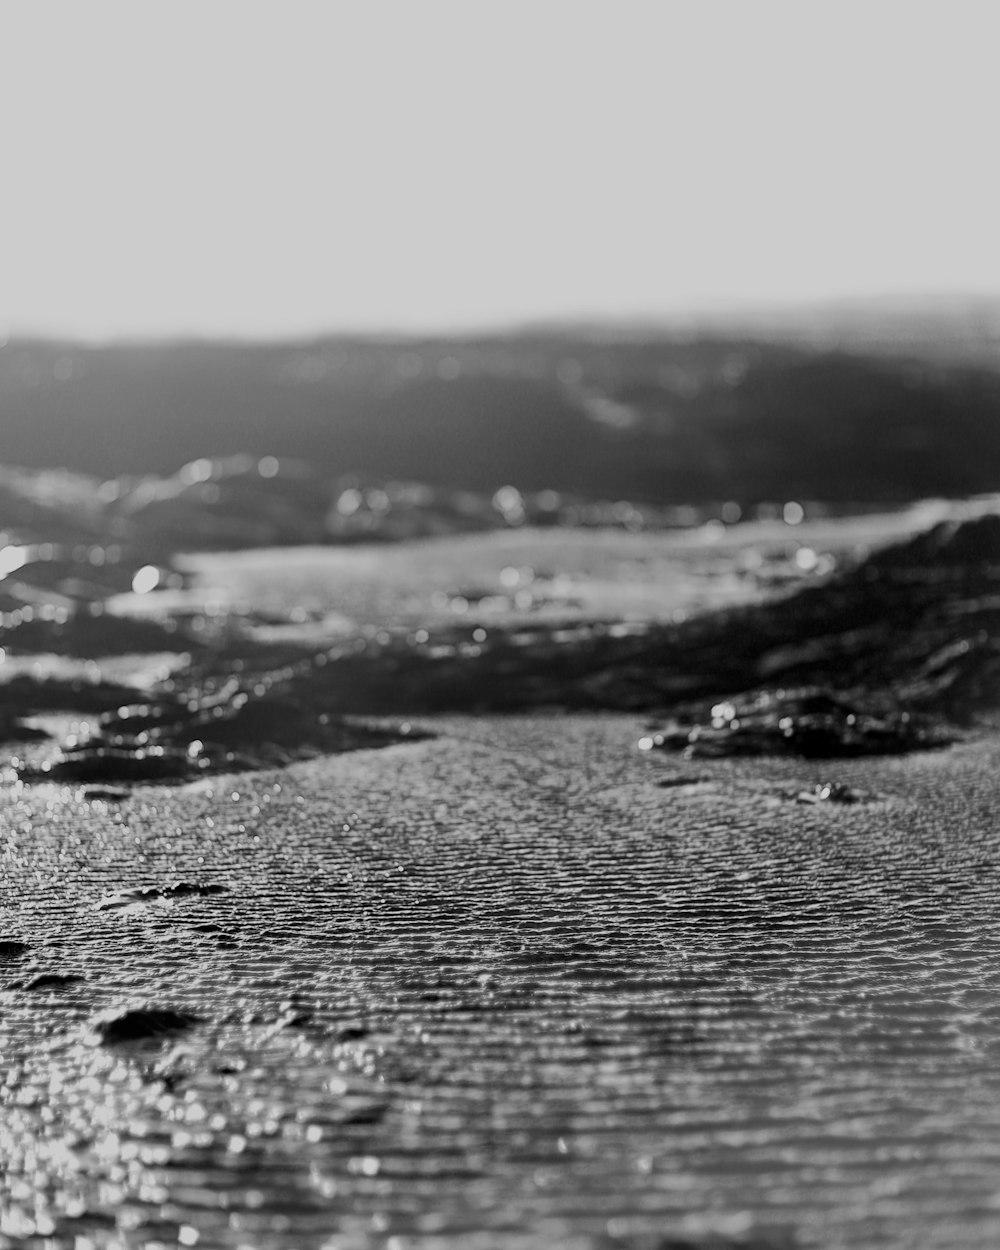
137,1024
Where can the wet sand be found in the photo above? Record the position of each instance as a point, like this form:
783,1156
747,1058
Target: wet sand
502,980
517,985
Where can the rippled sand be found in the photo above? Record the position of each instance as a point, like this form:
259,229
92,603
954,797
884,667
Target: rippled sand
518,985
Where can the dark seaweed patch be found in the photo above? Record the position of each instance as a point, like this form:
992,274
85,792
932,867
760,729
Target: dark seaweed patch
812,723
186,736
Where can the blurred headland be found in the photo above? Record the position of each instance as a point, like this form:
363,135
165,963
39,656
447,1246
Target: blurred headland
865,403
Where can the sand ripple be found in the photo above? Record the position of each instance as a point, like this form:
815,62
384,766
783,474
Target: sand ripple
518,985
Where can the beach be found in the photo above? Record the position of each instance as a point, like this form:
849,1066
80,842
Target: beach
499,627
518,984
490,979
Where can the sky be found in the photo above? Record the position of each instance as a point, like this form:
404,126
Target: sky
286,167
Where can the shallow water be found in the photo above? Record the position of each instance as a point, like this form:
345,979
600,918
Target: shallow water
507,988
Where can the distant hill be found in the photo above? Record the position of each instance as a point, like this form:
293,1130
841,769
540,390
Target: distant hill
947,329
655,417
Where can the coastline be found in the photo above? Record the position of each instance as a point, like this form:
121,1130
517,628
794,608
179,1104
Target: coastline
508,980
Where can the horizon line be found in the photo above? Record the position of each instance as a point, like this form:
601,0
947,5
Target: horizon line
711,315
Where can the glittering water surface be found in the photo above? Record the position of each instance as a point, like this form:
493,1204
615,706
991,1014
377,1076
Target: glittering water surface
518,985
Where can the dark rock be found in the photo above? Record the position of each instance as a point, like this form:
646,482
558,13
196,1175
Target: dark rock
135,1024
11,948
810,722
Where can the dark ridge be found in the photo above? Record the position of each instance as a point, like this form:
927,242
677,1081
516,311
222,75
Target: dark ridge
812,723
81,540
211,730
51,694
97,763
908,637
890,655
972,545
93,635
13,728
659,419
918,623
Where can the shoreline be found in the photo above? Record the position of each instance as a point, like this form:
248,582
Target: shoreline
510,980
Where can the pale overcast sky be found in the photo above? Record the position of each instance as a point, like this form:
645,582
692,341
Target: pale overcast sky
289,166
